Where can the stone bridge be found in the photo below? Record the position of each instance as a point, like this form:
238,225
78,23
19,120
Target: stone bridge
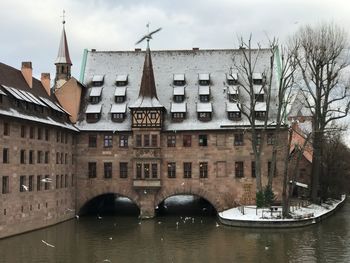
149,197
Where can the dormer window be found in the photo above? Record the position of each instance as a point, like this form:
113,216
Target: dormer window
179,80
95,95
178,111
97,80
118,112
257,78
258,93
260,110
122,80
93,113
204,93
233,112
232,94
120,94
204,111
232,79
179,94
204,79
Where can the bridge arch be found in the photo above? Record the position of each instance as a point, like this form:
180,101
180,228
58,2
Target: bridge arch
210,198
84,202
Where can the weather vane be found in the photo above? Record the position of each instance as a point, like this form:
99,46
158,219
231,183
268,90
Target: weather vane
148,36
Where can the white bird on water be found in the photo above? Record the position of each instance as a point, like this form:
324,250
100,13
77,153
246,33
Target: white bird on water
106,260
99,217
217,225
47,244
76,216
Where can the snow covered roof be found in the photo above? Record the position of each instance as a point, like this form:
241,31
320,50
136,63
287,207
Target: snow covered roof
216,64
204,90
122,78
120,91
145,102
96,91
93,108
260,106
51,104
232,90
204,76
232,107
179,90
232,76
118,108
258,89
98,78
179,77
204,107
257,75
178,107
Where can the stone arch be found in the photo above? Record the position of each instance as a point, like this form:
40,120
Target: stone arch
211,198
88,196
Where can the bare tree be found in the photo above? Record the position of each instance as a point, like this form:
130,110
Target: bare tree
286,67
321,61
245,65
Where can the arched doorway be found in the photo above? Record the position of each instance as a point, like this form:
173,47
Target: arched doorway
110,204
185,205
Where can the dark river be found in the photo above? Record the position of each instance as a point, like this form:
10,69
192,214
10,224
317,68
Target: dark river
176,238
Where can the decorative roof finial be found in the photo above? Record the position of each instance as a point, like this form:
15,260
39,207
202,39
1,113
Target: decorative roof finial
148,36
63,17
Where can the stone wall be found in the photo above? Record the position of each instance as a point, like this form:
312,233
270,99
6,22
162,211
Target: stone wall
221,188
26,210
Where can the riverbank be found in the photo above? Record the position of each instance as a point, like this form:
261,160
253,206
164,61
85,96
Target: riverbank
250,216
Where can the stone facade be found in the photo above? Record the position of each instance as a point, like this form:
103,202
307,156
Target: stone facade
27,209
220,186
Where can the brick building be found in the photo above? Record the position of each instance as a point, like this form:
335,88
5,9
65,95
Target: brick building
144,125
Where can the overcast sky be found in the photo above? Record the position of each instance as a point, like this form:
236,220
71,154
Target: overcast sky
31,30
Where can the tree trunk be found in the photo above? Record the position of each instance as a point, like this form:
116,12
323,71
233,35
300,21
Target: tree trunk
285,201
316,166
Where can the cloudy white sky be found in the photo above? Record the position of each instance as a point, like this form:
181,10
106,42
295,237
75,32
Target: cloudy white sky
30,30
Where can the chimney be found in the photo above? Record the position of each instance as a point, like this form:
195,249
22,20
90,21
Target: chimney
137,49
27,73
195,48
45,81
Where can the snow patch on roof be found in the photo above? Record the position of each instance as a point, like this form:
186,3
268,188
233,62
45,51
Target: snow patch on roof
178,107
93,108
204,107
118,108
96,91
120,91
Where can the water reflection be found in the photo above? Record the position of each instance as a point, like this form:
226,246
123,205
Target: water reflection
124,239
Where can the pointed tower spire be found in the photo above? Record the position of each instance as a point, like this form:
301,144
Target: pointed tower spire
63,62
148,87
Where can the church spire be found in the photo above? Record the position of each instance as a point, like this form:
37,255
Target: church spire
63,62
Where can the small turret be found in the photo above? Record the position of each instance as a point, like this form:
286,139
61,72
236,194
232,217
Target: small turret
63,62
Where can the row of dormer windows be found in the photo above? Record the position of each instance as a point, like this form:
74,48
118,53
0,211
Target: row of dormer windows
180,79
121,80
180,116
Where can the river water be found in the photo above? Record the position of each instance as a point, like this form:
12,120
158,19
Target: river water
174,238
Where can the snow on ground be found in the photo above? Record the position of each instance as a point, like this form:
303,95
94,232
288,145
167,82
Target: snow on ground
251,213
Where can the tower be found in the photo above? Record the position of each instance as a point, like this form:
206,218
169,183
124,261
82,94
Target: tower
147,115
63,62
